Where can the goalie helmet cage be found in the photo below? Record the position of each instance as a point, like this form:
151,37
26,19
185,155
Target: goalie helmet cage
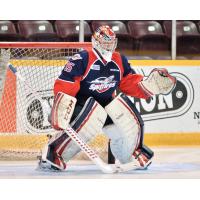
24,122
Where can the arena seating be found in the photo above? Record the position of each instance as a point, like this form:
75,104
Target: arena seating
149,37
198,25
188,37
141,58
69,30
169,58
8,31
195,58
37,30
163,58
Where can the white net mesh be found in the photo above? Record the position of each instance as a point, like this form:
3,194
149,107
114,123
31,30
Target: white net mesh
23,118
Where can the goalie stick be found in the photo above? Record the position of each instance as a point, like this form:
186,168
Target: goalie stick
93,156
72,134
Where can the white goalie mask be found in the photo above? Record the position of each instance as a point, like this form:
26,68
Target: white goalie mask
105,42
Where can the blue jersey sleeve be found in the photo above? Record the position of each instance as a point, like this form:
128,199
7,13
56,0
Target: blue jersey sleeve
74,67
127,67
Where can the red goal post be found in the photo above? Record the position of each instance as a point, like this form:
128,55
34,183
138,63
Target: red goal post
24,124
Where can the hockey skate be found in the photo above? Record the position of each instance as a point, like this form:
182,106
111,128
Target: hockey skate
143,157
50,159
46,165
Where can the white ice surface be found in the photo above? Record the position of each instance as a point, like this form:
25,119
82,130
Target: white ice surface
168,163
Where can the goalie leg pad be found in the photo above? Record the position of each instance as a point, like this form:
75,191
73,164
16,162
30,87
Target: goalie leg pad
120,146
127,135
88,124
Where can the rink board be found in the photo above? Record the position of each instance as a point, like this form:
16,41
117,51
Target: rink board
169,120
178,112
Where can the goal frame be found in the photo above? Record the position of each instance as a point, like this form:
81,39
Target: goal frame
52,45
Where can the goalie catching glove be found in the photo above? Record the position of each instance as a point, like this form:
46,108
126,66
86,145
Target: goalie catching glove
159,81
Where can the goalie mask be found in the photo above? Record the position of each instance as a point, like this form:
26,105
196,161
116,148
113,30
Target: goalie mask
105,42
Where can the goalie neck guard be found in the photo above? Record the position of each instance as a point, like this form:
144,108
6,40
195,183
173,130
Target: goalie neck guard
105,42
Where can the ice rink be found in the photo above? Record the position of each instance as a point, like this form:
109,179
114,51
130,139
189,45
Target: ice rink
175,163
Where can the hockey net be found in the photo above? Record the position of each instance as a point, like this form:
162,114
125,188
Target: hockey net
24,123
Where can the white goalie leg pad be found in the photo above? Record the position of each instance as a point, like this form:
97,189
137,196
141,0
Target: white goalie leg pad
62,110
158,82
126,134
120,145
87,124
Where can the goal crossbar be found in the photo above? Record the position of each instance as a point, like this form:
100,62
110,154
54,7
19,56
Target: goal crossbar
84,45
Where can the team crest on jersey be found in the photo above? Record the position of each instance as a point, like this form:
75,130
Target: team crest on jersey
76,57
68,66
102,84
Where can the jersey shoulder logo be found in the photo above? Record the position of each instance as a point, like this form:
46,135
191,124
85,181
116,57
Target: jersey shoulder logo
102,84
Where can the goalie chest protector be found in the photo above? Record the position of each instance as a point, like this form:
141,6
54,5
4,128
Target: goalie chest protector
100,79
